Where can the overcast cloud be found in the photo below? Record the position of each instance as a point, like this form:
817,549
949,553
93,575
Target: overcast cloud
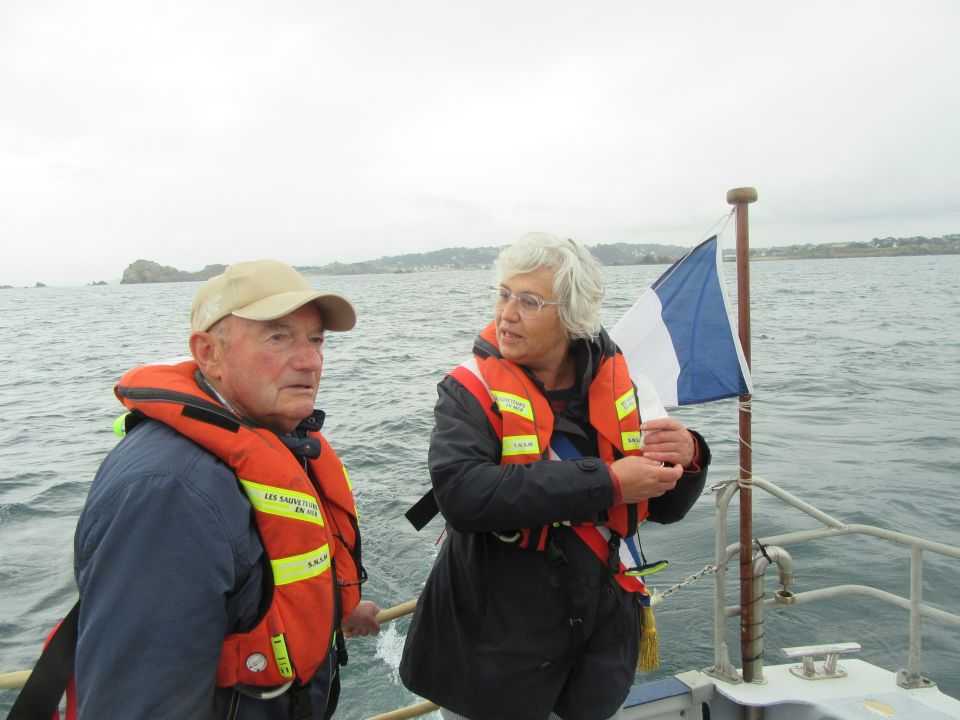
209,132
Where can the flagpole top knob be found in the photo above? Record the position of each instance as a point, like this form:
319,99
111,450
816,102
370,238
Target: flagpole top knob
741,195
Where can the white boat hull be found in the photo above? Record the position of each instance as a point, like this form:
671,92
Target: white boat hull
866,692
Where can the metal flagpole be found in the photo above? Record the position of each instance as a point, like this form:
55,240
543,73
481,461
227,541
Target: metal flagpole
740,198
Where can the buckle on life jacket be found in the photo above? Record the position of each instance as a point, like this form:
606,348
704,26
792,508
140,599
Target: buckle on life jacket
506,537
613,559
556,558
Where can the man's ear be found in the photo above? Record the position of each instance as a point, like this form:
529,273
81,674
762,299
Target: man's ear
206,351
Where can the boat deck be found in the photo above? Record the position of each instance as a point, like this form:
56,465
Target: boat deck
867,692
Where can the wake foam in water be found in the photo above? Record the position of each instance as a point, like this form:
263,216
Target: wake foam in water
390,649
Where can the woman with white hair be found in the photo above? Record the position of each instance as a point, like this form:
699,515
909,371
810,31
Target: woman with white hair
543,471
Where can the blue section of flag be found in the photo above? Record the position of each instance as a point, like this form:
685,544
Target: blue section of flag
694,310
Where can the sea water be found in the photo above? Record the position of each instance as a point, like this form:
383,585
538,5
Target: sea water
856,410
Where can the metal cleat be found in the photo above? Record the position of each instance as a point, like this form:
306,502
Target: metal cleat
828,669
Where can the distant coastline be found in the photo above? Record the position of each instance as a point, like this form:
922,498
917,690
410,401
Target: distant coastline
878,247
459,258
144,271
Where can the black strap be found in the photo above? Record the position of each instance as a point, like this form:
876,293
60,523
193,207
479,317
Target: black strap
633,519
576,594
483,349
301,704
40,697
341,648
423,511
211,417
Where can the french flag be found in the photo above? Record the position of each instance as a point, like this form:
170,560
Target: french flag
678,336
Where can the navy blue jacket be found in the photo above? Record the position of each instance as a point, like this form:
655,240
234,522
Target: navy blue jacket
168,562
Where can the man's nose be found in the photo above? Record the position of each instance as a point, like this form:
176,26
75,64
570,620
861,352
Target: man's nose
307,354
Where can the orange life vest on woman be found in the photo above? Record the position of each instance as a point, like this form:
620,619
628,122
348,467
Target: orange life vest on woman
523,420
308,526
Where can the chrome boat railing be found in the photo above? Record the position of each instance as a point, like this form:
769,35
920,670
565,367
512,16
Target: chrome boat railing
722,668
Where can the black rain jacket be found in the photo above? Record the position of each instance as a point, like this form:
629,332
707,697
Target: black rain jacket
491,637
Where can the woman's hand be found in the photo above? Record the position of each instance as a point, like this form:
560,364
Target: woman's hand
667,440
642,478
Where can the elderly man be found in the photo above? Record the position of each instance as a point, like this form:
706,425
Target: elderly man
218,554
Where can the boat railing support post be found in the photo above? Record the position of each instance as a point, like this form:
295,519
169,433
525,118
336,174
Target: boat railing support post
911,678
916,598
722,668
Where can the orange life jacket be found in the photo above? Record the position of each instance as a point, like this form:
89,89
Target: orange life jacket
523,420
308,527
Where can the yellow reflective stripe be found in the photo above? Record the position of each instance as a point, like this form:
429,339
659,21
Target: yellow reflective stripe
630,440
281,655
626,404
513,404
120,425
301,567
521,445
346,477
285,503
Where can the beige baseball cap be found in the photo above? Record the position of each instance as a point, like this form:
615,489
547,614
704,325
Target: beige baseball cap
265,290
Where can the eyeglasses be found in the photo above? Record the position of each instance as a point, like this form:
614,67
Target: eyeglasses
528,304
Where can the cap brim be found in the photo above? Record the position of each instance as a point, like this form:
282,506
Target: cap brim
337,312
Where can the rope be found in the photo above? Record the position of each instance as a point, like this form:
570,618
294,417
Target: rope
392,613
745,483
723,221
717,487
411,711
16,679
763,550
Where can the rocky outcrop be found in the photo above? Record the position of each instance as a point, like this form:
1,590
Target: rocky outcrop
147,271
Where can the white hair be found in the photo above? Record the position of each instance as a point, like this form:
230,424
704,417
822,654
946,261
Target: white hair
577,282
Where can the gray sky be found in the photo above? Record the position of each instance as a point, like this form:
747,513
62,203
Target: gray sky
191,132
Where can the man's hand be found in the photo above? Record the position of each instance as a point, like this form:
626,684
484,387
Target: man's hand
667,440
362,621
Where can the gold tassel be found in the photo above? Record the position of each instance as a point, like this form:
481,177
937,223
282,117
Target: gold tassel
649,642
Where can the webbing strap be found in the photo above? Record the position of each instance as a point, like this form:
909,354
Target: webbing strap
598,538
301,704
426,508
574,591
563,447
475,384
40,697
